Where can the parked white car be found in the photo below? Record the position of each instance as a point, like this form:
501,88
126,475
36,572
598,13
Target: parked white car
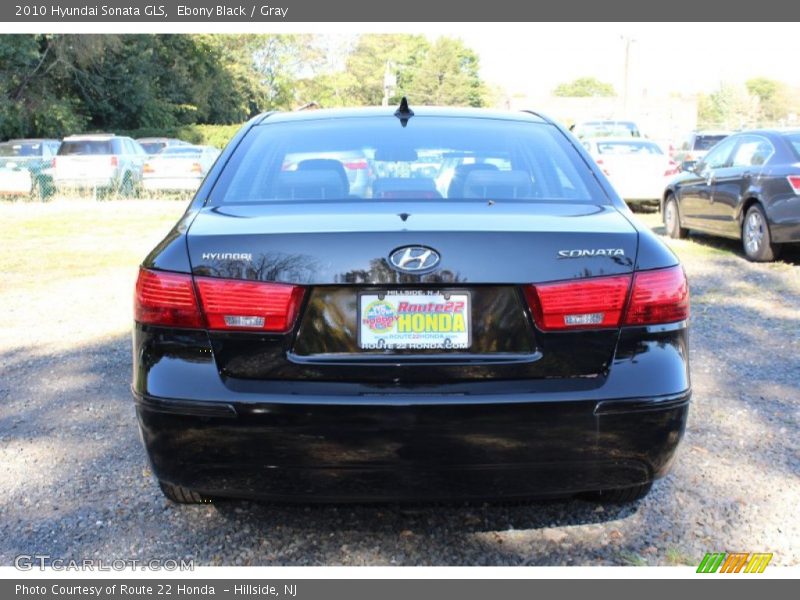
178,168
638,168
103,163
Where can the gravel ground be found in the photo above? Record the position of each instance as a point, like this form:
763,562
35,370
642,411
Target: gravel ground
75,481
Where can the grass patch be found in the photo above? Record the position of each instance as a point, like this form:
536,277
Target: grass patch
676,557
633,559
75,238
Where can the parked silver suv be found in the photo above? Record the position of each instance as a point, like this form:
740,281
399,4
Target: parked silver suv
104,163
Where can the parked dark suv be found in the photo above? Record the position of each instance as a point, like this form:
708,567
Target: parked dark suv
747,187
512,333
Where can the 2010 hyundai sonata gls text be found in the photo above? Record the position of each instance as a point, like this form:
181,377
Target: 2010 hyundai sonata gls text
479,318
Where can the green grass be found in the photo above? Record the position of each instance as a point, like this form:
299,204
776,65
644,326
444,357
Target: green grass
75,238
632,559
677,558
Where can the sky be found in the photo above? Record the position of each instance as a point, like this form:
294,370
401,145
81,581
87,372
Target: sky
532,58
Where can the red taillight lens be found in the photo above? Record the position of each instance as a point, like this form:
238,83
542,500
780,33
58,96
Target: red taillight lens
249,305
672,169
148,168
114,161
196,168
584,304
166,299
355,165
660,296
53,163
794,181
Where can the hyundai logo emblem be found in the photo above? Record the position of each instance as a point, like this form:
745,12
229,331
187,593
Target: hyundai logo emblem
414,259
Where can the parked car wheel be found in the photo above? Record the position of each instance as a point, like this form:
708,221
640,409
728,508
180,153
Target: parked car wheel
672,219
756,238
621,495
182,495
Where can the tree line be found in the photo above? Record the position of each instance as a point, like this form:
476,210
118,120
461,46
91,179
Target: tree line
53,85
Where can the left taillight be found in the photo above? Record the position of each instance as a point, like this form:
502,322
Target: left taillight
178,300
166,299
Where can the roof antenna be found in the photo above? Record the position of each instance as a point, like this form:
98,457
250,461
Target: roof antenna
403,112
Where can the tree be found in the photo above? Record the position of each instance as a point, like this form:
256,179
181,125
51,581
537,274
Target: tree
448,75
773,97
367,65
728,107
584,87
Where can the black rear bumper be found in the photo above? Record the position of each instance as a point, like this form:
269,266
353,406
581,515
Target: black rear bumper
410,447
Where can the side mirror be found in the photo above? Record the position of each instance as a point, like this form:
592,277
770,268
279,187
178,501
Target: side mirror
689,166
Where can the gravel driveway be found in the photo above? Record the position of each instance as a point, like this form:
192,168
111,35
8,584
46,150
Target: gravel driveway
75,481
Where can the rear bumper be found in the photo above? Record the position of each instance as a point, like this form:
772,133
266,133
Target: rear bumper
84,184
416,448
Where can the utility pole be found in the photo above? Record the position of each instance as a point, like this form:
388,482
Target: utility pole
627,40
389,83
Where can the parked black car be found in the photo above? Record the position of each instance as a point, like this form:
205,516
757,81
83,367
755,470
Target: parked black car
518,335
747,187
26,168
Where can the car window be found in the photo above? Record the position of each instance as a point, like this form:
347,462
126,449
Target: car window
752,151
22,149
719,156
432,157
794,142
706,142
85,147
630,148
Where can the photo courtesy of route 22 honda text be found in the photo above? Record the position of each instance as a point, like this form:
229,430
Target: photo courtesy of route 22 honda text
422,304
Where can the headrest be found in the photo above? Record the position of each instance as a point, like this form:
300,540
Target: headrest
310,185
498,184
404,187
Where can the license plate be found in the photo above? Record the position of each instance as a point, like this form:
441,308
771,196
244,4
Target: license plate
414,320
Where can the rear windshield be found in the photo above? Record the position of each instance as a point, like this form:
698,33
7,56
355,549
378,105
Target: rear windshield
705,142
153,147
79,147
181,151
22,149
628,148
794,142
431,158
593,129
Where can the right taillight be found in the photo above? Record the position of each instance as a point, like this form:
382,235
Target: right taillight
794,181
660,296
582,304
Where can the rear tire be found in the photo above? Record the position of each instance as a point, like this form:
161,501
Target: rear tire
756,238
182,495
672,219
621,495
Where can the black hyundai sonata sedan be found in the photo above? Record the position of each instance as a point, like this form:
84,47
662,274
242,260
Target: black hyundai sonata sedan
483,320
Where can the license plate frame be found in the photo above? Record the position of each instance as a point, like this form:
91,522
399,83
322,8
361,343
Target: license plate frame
418,339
